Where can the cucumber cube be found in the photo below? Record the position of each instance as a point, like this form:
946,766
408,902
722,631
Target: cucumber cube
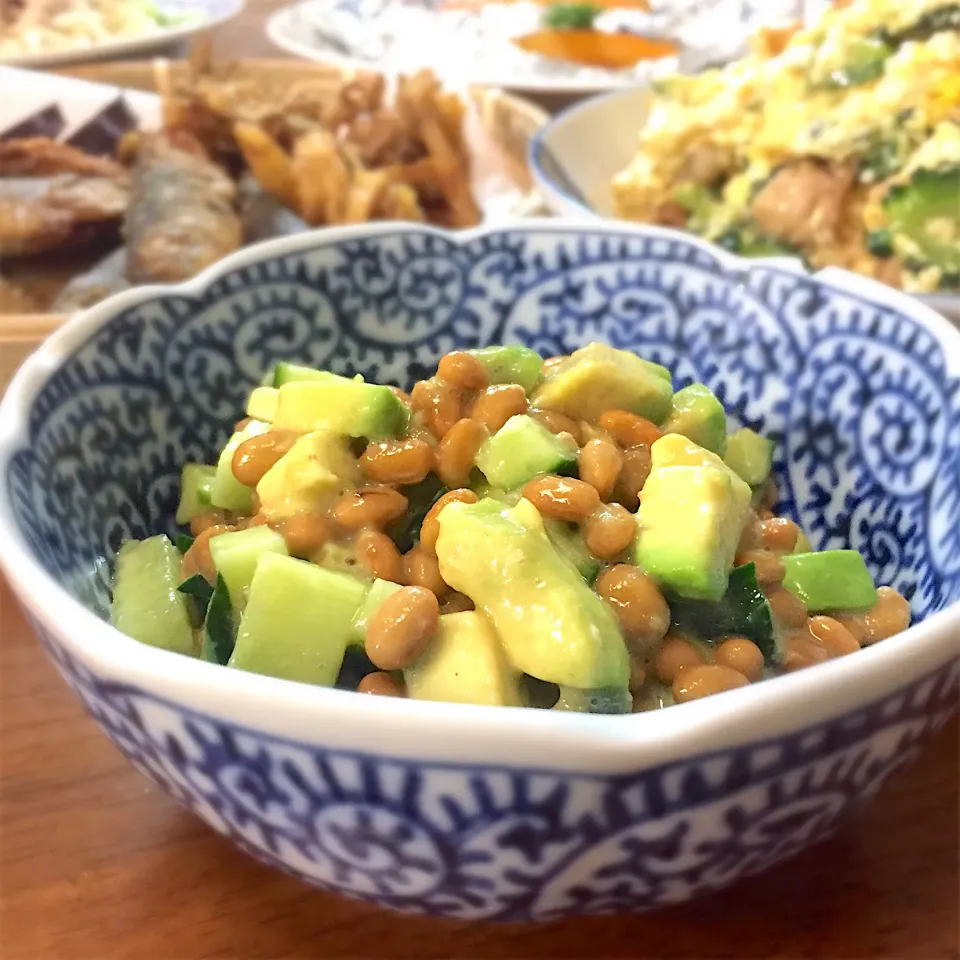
523,449
699,416
379,591
749,455
235,555
227,492
146,604
830,580
297,621
196,486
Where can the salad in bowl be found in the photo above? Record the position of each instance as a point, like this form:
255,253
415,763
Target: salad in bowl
571,534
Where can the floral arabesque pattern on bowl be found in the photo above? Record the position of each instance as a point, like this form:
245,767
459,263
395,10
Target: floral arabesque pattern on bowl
861,399
855,394
511,844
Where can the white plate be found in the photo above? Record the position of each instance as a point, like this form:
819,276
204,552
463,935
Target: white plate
93,116
474,47
211,14
576,155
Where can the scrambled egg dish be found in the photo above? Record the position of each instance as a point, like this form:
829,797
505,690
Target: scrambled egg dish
839,143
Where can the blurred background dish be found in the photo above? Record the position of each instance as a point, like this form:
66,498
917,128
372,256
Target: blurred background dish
107,184
541,47
46,33
831,145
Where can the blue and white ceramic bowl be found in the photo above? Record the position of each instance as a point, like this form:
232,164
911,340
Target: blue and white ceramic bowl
497,813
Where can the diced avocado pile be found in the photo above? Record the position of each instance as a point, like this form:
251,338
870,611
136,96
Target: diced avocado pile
241,599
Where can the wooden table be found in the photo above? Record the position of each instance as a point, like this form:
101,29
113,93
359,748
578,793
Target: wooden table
97,864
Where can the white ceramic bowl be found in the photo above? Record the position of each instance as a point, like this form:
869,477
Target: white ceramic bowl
574,158
479,812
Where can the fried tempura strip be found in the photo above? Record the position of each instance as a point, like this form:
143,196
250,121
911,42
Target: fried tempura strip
451,172
268,162
399,202
323,178
415,174
364,195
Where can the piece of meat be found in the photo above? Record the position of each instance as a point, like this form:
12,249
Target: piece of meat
182,214
29,227
40,216
706,163
90,198
671,214
803,203
43,157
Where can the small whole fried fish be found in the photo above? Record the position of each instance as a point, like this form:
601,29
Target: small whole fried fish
183,211
44,157
40,215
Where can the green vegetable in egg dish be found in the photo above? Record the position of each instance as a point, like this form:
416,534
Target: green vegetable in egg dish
924,218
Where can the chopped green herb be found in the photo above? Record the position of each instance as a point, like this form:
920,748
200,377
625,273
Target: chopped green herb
879,243
571,16
199,592
743,612
183,542
405,533
219,634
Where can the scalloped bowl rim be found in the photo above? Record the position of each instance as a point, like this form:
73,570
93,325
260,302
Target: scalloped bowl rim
548,188
459,733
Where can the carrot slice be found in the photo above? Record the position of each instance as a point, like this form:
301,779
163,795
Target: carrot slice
594,48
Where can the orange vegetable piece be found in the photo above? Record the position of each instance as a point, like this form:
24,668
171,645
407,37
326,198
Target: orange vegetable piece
594,48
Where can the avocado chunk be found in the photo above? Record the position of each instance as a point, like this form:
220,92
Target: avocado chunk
227,492
597,378
692,511
262,404
196,485
675,450
690,523
698,415
510,364
830,580
378,592
297,621
551,624
308,477
335,404
146,604
464,663
523,449
750,456
236,554
285,372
